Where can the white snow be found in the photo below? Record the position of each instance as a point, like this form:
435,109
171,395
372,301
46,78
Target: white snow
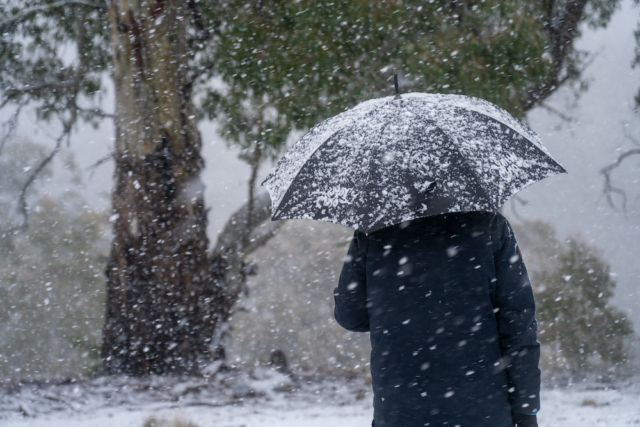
265,398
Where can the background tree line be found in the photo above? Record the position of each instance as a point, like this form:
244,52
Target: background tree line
284,66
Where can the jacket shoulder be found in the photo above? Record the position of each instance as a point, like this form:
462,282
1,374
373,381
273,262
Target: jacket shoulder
500,230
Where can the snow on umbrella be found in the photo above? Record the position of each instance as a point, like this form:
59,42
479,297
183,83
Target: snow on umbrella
394,159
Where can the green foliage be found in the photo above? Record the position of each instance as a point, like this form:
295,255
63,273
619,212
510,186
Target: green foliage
573,288
287,65
54,60
51,278
574,308
290,64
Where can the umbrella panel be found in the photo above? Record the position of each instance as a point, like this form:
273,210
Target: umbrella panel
374,172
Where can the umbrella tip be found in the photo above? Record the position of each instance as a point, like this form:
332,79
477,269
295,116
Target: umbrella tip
395,81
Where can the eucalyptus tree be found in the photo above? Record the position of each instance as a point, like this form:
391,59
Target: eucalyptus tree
287,65
284,65
164,295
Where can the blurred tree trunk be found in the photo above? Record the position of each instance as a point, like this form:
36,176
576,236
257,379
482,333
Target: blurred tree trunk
162,295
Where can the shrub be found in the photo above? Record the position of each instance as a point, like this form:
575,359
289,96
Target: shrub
573,287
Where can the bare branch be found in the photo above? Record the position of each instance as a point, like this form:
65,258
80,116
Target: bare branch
96,112
11,94
558,113
22,201
633,140
566,25
561,27
67,124
101,161
549,6
462,9
197,74
203,32
606,171
520,200
265,233
538,95
255,165
11,125
232,247
230,239
47,7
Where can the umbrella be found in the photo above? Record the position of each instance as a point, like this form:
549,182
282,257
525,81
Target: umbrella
394,159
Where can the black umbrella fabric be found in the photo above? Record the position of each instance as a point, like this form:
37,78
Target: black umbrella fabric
391,160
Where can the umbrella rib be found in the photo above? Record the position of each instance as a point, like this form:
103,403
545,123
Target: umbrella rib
525,131
475,175
546,156
469,167
369,185
533,144
284,196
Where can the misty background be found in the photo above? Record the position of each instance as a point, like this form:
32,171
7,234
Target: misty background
586,136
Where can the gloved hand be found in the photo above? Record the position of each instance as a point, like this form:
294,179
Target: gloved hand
524,420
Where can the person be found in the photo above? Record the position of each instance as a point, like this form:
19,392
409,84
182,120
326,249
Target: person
451,316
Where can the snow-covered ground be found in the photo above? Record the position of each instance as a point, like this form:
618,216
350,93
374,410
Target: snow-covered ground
264,398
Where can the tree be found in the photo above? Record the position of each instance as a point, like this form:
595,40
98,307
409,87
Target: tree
285,65
288,65
628,153
165,296
158,273
573,288
51,280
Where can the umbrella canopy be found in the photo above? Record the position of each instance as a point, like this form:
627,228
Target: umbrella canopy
390,160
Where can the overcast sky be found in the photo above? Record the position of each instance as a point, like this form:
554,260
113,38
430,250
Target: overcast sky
574,203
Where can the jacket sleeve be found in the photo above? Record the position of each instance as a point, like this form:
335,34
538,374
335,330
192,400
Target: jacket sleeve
351,294
514,309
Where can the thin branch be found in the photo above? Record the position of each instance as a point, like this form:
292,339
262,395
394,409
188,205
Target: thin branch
230,239
561,27
633,140
549,5
462,9
71,92
197,74
47,7
255,166
11,125
558,113
520,200
96,112
537,96
22,201
203,32
606,171
101,161
263,236
15,92
567,23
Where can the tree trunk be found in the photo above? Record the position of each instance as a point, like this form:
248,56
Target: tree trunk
163,298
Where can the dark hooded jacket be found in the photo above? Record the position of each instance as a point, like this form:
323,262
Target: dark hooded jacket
451,314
